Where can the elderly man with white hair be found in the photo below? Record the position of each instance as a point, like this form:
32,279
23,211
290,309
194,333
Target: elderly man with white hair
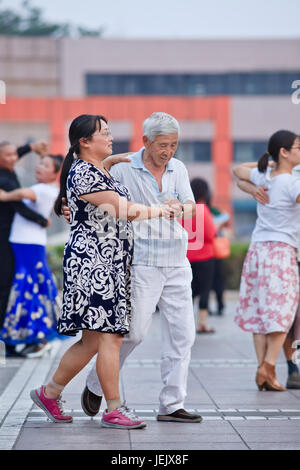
161,273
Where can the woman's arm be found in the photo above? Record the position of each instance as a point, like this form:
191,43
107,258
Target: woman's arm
243,171
119,207
112,160
257,192
17,195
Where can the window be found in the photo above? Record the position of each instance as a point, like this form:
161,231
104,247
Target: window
249,151
244,218
120,146
250,83
194,152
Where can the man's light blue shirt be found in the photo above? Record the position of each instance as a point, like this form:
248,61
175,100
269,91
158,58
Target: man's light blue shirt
157,242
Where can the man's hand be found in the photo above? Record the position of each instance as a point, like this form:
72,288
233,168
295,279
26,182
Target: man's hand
260,195
175,206
108,162
168,211
40,147
65,210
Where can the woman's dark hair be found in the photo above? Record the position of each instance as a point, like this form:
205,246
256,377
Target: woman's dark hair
83,126
281,139
57,161
201,190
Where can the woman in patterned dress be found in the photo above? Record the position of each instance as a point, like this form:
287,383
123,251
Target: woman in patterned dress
269,287
97,260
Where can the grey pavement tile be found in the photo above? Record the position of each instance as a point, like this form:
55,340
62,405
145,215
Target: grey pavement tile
189,446
75,445
269,426
188,437
7,372
163,428
251,398
76,436
220,431
262,436
277,446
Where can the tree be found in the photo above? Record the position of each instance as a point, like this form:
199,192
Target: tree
30,22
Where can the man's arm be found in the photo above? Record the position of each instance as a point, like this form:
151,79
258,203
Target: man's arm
23,150
29,214
40,147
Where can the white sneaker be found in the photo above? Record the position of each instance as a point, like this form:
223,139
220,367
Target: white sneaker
40,350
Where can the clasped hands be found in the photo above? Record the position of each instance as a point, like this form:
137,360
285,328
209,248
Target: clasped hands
172,208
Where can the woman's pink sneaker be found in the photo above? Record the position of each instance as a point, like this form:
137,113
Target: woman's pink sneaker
121,418
51,406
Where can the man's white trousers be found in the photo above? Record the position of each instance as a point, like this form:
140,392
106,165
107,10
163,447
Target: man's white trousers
170,290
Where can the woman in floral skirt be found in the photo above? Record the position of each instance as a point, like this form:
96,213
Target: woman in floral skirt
269,287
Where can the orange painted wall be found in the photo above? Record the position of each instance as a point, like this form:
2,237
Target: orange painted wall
59,111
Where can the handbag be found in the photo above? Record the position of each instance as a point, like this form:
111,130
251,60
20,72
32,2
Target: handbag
221,247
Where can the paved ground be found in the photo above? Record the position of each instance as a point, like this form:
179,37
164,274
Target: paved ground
221,387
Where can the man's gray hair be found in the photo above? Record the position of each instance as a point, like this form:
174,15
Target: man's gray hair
160,124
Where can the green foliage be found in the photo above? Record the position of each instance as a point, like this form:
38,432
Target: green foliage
238,249
30,22
55,256
232,266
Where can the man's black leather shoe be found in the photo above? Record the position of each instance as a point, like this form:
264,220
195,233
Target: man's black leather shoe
90,402
180,416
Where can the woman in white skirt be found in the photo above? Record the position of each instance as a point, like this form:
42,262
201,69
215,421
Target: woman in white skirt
269,289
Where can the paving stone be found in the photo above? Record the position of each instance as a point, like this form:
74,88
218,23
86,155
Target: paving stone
189,446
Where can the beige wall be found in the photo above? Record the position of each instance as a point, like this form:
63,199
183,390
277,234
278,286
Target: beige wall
87,55
30,66
257,117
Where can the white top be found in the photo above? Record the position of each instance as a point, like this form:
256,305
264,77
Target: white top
26,231
296,173
280,219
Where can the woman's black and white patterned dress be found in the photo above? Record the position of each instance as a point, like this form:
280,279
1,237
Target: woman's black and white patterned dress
97,258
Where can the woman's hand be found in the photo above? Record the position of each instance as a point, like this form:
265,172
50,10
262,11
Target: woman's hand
65,210
114,159
260,195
